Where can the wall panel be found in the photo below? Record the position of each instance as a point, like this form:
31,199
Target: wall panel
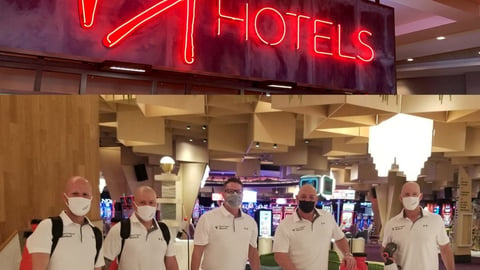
44,140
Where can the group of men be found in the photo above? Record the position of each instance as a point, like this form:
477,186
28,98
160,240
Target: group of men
226,238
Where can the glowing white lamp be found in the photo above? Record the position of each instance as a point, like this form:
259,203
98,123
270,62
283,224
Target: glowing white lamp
167,163
405,140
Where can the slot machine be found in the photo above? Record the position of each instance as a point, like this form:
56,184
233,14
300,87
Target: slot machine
288,210
348,215
277,216
447,214
264,221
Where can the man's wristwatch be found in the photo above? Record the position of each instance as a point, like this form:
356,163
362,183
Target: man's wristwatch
348,254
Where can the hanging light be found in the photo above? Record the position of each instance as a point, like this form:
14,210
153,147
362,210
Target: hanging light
167,163
404,140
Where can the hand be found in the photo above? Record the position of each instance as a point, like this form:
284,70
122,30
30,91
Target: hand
349,262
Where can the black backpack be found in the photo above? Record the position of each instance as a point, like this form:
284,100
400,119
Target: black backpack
57,232
125,233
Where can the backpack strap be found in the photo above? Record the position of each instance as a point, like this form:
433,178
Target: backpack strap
57,231
165,231
124,234
98,241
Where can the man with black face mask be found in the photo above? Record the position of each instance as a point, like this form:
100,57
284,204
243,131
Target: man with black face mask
226,237
302,240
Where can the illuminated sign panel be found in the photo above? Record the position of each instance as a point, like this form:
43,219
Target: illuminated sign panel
335,44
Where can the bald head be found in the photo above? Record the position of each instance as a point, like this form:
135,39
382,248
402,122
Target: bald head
145,195
410,189
307,193
78,186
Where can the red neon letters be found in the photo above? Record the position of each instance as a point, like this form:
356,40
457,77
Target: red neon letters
86,11
327,38
335,43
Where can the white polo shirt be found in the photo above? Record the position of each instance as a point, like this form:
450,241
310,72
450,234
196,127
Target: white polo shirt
307,243
417,241
75,250
227,239
143,250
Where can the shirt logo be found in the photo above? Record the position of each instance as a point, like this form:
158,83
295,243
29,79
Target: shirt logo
134,236
298,229
68,235
221,227
398,228
425,226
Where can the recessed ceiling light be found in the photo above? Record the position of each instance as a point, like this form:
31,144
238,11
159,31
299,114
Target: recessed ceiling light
307,141
204,127
274,145
205,140
190,140
441,38
188,127
409,59
257,145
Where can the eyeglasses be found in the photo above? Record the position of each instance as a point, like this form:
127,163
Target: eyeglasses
231,191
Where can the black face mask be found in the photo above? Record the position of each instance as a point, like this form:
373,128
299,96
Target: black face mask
306,206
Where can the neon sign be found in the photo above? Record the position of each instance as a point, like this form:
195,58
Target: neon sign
86,12
324,33
337,45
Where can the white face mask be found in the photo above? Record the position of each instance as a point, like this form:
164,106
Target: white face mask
410,203
79,206
146,212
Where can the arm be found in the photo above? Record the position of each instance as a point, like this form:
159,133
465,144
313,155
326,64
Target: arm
171,263
40,261
348,259
197,257
447,256
284,261
253,258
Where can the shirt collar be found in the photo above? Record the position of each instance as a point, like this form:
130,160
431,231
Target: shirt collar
135,219
405,215
226,213
67,221
297,216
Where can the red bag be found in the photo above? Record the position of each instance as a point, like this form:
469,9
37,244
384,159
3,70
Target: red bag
113,265
26,261
361,259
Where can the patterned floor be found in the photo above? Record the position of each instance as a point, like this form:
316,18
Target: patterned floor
373,254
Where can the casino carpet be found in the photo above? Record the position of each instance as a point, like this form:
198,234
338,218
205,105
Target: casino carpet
373,254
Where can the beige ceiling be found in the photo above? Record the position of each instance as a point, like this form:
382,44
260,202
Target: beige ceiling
336,128
419,22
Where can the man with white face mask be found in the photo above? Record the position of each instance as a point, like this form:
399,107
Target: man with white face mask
145,248
226,237
76,249
418,234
